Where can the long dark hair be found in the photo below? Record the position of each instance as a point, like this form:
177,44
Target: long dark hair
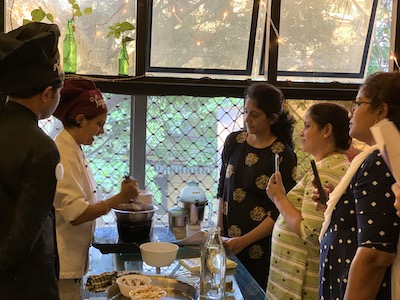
336,115
270,100
384,87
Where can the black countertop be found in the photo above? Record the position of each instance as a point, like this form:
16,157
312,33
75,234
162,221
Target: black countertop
106,239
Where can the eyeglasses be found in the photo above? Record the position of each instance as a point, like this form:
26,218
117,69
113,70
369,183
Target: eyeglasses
356,104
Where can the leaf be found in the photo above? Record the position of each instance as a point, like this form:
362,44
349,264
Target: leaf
78,13
75,6
119,28
72,2
127,39
127,26
26,21
88,10
38,15
50,17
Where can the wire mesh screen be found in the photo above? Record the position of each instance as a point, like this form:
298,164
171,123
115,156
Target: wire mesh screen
184,140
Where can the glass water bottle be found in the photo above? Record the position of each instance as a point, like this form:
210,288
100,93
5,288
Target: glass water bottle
213,266
70,57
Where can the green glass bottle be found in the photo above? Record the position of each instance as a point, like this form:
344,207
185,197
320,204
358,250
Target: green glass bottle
70,56
123,61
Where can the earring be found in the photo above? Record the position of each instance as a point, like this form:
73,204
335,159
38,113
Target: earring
325,135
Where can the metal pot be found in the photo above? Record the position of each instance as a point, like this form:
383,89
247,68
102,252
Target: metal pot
130,216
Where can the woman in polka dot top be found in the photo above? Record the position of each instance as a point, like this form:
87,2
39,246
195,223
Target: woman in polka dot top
358,244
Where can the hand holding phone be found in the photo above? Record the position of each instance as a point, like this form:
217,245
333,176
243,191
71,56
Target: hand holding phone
276,162
317,183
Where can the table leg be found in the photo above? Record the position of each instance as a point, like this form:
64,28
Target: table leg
118,262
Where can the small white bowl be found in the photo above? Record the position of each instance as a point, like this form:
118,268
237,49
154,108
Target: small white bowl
147,292
128,282
158,254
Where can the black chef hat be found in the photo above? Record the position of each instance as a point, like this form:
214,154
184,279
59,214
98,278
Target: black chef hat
29,59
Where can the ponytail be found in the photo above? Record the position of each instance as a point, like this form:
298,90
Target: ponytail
283,128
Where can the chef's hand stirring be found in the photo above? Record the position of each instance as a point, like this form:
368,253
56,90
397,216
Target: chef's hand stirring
129,189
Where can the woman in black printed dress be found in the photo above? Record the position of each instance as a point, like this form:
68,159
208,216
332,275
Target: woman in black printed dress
246,214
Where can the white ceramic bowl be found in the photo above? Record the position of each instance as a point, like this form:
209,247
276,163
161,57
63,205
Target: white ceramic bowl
148,291
158,254
128,282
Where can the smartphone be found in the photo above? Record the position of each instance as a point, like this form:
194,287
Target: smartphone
276,162
317,183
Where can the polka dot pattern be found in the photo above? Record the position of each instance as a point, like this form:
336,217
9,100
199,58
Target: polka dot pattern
363,217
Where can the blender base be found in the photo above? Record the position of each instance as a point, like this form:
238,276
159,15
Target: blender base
191,229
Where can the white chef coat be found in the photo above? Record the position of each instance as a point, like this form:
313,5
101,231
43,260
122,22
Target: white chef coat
73,195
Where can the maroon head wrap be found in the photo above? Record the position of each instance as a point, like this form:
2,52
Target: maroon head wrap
80,97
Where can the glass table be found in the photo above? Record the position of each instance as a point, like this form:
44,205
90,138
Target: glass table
115,255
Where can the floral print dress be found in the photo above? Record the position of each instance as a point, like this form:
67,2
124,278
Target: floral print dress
245,173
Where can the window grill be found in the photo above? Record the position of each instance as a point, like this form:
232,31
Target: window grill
184,140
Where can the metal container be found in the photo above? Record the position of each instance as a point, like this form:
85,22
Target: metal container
129,216
175,289
178,218
196,211
134,221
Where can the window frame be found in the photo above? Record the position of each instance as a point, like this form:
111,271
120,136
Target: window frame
205,71
159,85
363,65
